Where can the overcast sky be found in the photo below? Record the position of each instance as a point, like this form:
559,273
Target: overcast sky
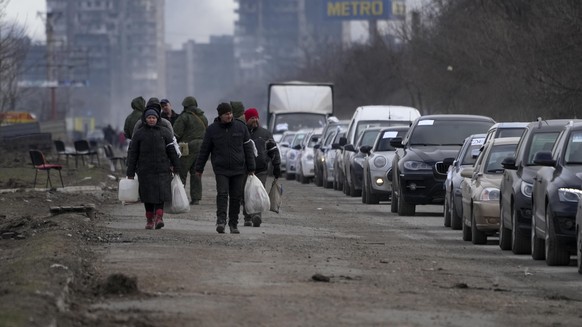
185,19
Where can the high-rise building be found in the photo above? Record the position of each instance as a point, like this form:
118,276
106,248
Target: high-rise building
111,50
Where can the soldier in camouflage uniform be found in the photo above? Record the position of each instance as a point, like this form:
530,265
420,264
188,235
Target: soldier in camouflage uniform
189,128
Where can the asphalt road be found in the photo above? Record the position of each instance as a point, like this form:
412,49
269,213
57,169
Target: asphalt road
382,270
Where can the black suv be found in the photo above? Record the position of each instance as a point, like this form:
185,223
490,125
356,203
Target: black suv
553,233
517,184
424,155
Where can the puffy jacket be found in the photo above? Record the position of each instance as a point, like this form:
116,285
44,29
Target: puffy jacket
190,128
266,149
230,146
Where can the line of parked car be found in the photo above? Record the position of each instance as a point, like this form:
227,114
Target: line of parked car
521,181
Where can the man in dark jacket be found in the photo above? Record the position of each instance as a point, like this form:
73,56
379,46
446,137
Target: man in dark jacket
238,110
167,111
189,128
138,105
267,151
229,142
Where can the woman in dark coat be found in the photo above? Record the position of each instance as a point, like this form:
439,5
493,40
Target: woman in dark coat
152,156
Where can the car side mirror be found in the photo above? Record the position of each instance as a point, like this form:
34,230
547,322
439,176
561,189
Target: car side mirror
284,144
297,147
544,158
343,141
509,163
336,146
349,147
317,146
467,172
366,149
396,142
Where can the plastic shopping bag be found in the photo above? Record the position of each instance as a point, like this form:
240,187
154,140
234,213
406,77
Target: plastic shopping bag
128,190
276,196
179,202
256,197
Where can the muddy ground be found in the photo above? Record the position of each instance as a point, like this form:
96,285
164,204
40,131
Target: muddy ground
325,260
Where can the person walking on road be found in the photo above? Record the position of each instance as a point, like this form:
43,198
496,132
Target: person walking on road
138,106
190,128
153,157
167,111
229,142
267,151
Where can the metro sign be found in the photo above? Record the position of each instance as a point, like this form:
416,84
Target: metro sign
364,9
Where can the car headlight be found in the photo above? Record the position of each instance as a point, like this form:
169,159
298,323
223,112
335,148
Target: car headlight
417,165
292,156
568,195
489,194
379,162
526,189
359,161
322,159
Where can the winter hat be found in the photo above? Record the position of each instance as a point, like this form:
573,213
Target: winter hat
237,108
151,112
223,108
189,102
163,101
250,113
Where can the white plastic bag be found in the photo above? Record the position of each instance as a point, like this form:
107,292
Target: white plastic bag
177,147
128,190
256,197
179,202
275,196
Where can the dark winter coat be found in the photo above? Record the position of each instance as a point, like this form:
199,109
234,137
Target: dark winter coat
266,149
150,155
172,118
231,149
190,128
138,106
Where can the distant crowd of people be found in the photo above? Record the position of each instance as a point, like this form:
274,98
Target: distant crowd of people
163,143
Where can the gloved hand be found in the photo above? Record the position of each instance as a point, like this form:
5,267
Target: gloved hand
271,144
277,171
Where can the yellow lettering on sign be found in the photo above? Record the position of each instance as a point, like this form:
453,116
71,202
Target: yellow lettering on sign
398,9
355,8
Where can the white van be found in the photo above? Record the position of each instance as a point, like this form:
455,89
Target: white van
365,117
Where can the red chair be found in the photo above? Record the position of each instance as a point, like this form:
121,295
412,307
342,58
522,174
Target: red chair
39,163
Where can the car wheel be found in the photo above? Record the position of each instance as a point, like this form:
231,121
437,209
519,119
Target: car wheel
405,209
537,244
447,212
556,254
477,236
318,178
504,232
467,236
393,201
456,220
289,176
520,242
353,192
364,193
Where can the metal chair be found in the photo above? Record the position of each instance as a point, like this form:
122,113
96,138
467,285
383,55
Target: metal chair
39,163
62,151
113,159
82,149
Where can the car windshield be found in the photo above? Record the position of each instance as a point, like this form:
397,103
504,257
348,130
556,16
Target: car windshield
510,132
288,138
446,132
574,149
468,158
540,142
365,124
338,136
297,121
384,140
298,139
368,137
496,156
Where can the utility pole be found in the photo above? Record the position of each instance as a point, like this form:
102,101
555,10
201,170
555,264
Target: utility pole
52,80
